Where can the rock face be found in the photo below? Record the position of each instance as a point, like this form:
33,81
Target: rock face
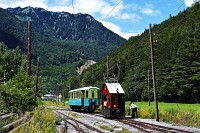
87,64
67,26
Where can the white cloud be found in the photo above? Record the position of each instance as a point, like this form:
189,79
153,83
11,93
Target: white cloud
148,10
115,28
62,2
190,2
132,16
89,6
60,9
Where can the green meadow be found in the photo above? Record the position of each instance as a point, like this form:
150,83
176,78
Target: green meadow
176,113
167,106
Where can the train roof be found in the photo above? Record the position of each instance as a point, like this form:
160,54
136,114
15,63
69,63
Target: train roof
84,88
114,88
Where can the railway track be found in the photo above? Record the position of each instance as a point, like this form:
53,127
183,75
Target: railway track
149,128
143,126
78,123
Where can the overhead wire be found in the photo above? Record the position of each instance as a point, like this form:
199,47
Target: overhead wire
73,6
178,7
111,11
172,14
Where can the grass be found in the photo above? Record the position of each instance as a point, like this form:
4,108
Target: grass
105,127
43,121
51,103
168,106
184,114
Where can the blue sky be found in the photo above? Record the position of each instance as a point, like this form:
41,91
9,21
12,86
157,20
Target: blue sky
128,17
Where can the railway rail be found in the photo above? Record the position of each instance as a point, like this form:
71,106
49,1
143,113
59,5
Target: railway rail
141,126
77,127
149,128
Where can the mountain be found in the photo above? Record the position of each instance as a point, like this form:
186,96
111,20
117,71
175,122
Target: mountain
67,26
60,51
177,62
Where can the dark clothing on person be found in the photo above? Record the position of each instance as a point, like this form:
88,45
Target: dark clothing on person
134,113
133,109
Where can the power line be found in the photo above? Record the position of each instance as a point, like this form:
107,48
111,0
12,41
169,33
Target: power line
178,7
73,5
110,11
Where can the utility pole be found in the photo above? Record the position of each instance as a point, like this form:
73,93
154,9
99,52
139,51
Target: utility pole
153,73
36,84
29,49
107,70
148,90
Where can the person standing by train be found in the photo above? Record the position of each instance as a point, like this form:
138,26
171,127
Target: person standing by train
133,109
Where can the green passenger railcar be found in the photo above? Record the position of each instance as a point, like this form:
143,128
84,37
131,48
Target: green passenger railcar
84,99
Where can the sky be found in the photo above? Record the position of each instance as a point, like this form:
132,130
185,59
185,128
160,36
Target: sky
125,17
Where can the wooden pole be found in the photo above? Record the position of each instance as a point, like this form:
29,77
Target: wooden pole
153,73
107,70
37,72
148,90
29,49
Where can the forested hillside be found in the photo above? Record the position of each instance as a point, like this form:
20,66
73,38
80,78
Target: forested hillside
59,56
177,62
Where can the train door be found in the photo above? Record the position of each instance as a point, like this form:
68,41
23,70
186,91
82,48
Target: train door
115,102
82,97
121,101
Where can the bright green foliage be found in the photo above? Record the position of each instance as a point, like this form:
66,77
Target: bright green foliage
16,89
43,121
177,61
184,114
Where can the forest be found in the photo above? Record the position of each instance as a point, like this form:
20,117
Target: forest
177,66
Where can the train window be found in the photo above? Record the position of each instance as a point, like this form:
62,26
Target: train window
92,94
108,99
115,98
86,94
104,97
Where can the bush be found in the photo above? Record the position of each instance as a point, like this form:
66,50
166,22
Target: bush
43,121
17,96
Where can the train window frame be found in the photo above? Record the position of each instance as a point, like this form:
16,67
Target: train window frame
98,94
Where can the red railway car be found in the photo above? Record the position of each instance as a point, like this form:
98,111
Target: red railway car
113,104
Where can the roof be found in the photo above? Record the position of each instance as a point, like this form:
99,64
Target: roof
84,88
114,88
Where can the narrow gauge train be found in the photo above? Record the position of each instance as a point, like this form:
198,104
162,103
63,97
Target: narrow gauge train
113,104
84,99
